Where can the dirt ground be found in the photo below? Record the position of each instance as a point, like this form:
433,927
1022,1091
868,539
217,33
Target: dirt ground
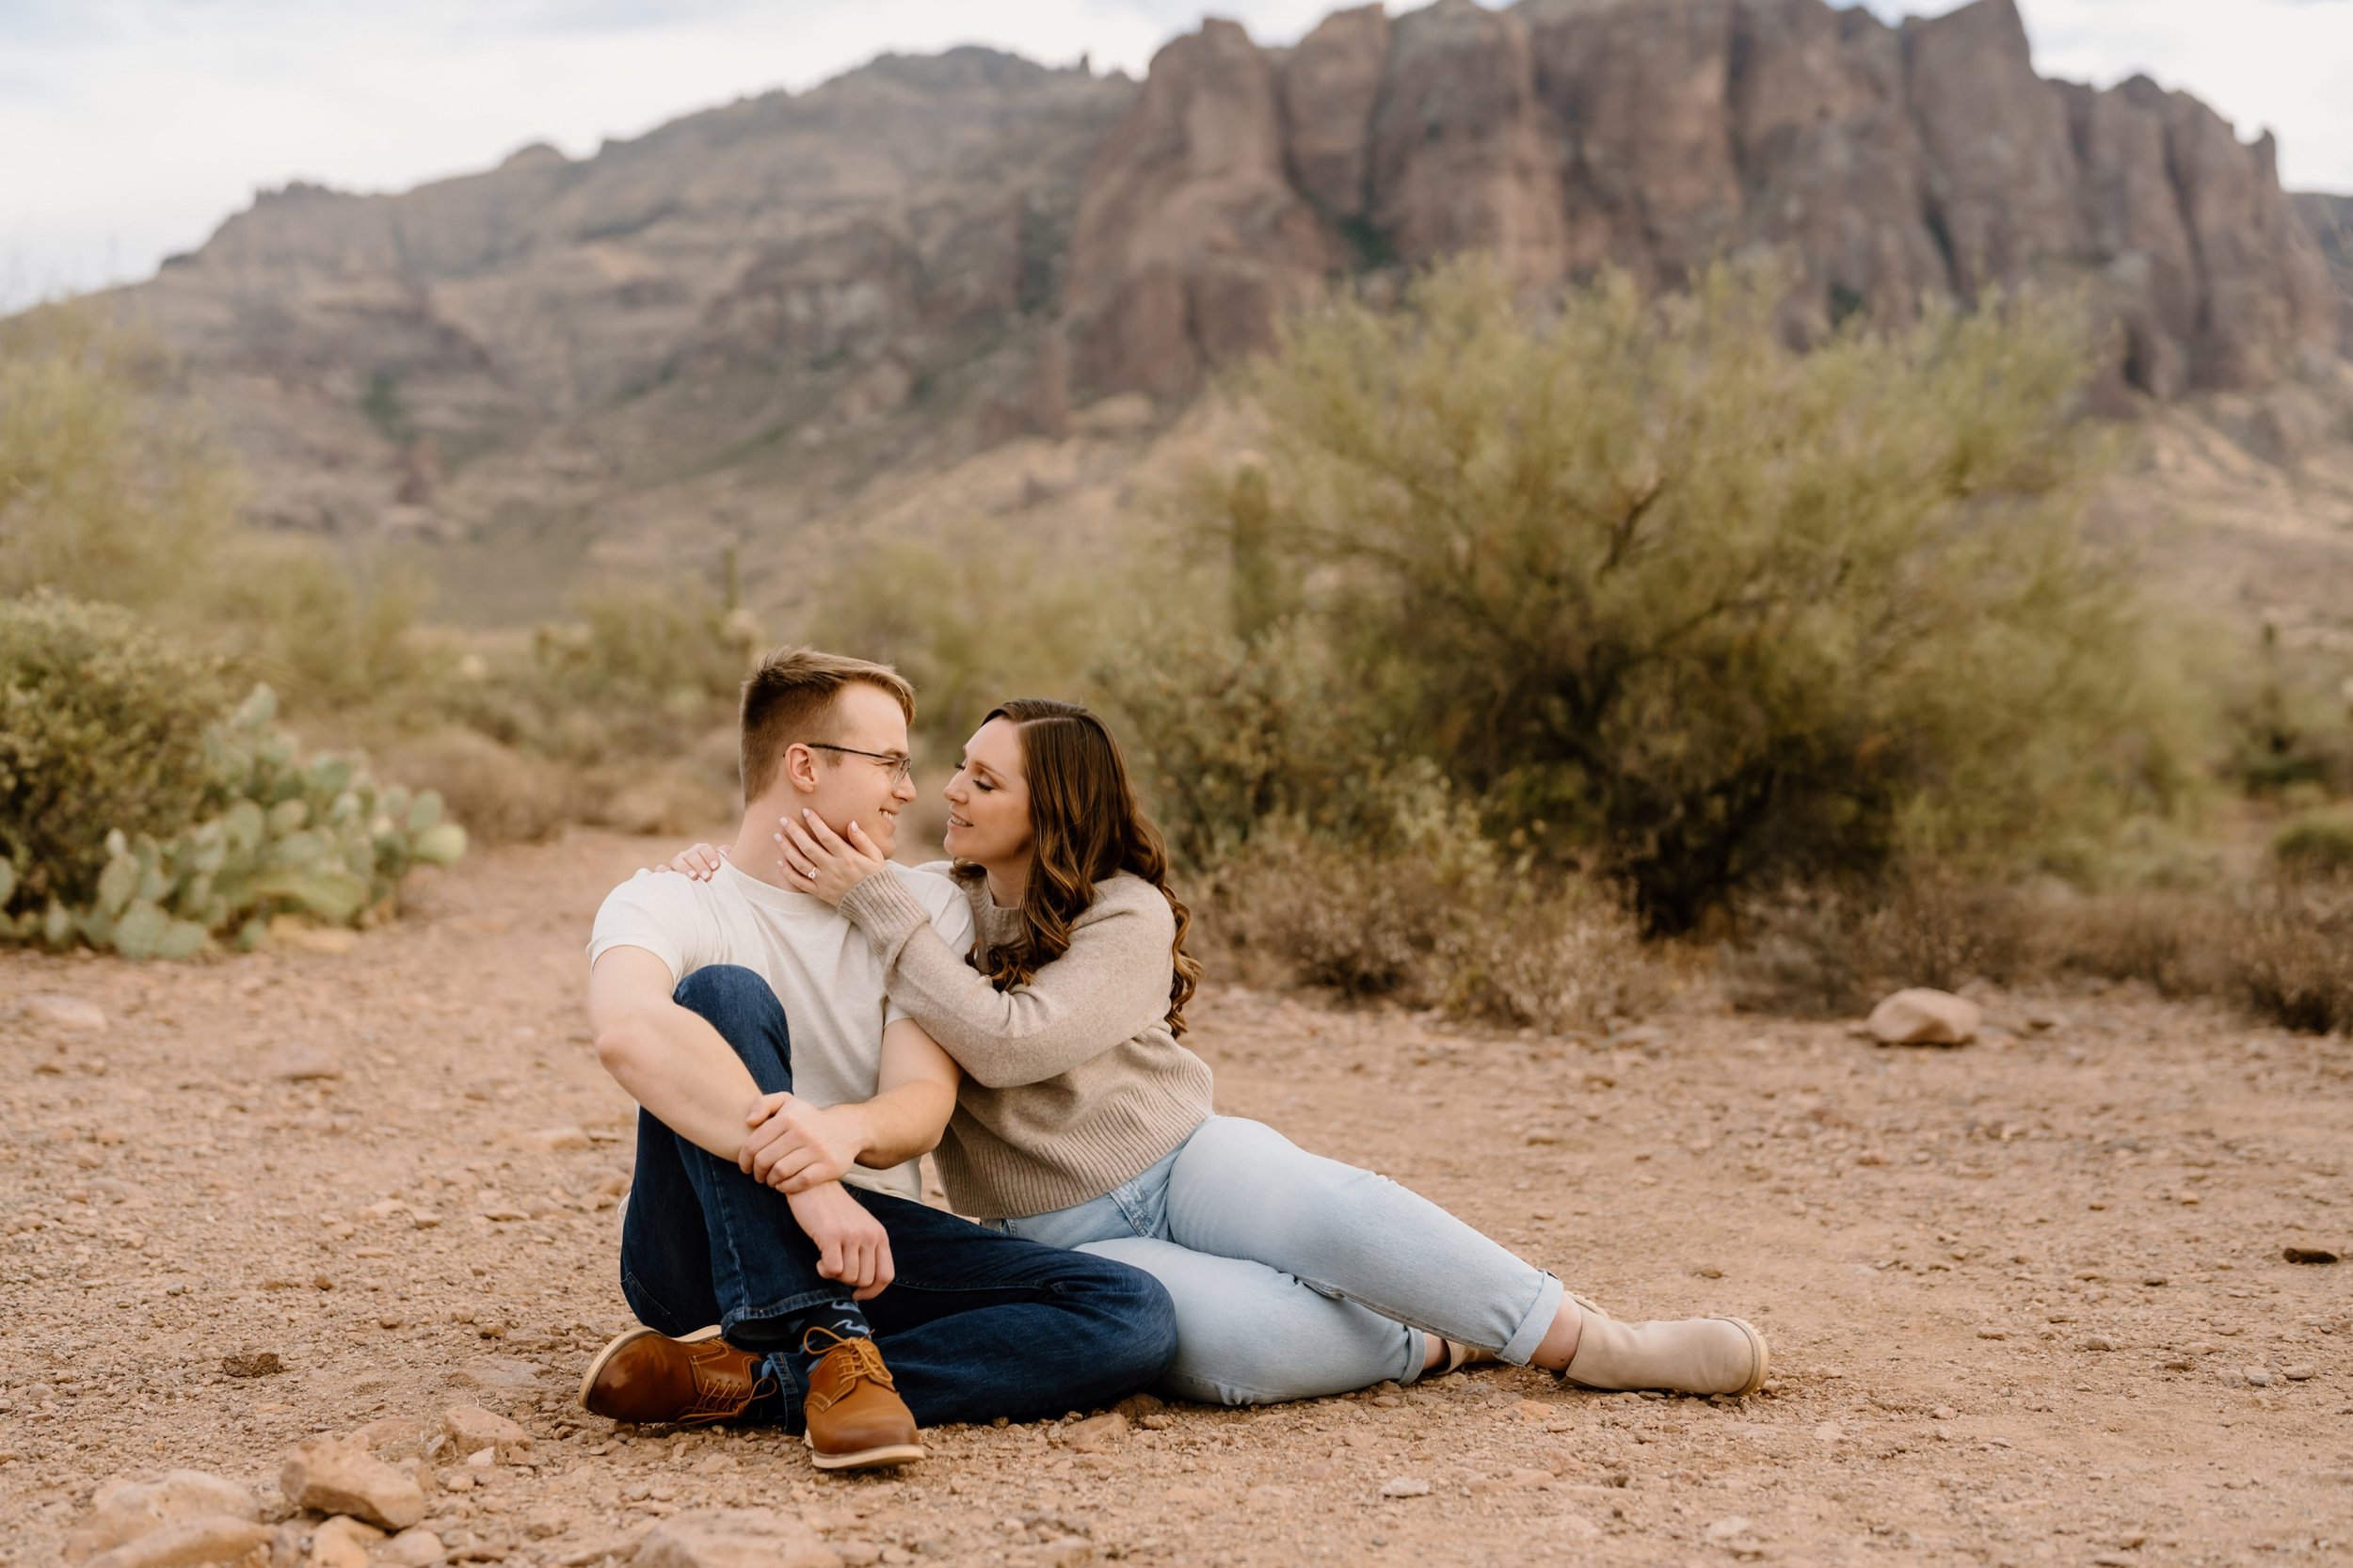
2028,1300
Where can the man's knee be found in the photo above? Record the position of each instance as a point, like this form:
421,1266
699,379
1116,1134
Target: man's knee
1155,1330
1140,1305
730,998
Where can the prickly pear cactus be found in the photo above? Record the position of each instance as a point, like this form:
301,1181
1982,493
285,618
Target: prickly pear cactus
279,833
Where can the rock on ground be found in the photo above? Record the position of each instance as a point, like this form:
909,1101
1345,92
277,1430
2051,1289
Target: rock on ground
1921,1016
393,1437
341,1542
338,1476
66,1011
471,1429
1916,1232
1097,1432
125,1509
189,1544
411,1548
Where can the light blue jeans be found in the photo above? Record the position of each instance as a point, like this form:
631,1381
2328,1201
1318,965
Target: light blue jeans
1296,1276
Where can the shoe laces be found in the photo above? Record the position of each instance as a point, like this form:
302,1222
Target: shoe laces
719,1393
861,1357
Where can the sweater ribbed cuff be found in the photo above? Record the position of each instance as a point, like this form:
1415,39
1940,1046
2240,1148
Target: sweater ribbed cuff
882,907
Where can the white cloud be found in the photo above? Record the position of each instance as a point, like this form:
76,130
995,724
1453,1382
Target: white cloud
129,128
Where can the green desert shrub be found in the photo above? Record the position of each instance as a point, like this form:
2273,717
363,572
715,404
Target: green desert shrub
114,491
680,649
970,622
1229,735
316,629
2315,844
2291,723
136,814
638,679
110,489
102,725
1702,612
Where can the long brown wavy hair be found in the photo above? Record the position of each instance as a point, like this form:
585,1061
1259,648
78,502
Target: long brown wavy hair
1084,826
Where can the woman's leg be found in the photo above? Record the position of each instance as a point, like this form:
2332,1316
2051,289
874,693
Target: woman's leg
1247,1333
1240,1190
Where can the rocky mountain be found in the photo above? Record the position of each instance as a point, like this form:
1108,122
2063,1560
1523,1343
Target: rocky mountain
1889,163
751,322
2330,221
726,322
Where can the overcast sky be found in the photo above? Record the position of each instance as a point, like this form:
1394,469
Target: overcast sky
129,128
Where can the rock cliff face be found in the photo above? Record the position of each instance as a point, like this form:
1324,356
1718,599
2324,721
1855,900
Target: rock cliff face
1891,165
1190,237
2331,220
721,330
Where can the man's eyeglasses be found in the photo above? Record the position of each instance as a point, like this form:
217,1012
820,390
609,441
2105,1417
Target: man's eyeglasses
900,766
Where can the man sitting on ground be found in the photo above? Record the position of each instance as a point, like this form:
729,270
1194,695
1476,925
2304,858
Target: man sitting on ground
747,1019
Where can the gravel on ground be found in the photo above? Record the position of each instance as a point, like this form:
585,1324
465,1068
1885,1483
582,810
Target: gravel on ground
2030,1299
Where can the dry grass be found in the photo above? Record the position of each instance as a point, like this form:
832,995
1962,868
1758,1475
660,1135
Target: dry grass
2294,957
2284,949
2179,942
1432,930
663,798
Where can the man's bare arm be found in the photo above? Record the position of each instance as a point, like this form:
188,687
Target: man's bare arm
915,1094
675,1065
670,1060
794,1146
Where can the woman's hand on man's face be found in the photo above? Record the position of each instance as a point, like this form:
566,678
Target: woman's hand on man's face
817,860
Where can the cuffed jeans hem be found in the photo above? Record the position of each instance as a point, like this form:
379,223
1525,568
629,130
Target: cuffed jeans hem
792,1306
789,1392
782,1363
1521,1347
1416,1355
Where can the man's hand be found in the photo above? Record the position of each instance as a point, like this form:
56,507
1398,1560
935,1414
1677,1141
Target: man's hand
852,1245
793,1145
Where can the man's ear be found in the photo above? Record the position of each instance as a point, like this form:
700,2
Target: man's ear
800,768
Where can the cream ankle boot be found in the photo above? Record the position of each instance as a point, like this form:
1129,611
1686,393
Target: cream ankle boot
1685,1355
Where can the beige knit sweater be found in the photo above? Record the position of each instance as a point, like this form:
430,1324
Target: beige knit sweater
1073,1082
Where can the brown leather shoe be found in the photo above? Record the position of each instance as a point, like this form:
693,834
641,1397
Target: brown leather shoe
855,1417
645,1376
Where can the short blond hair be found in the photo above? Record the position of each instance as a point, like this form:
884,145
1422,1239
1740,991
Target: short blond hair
791,697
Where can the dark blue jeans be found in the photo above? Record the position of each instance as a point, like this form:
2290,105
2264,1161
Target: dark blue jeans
975,1325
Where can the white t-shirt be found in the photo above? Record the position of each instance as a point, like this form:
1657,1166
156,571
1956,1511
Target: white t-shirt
821,970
